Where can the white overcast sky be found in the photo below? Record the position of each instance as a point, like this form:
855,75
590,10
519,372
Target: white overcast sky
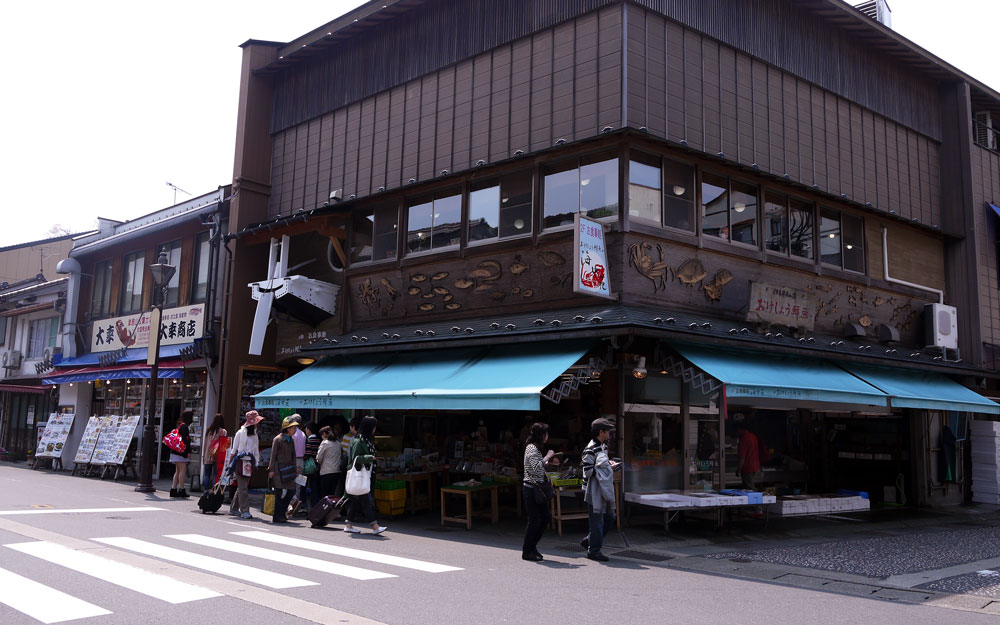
107,101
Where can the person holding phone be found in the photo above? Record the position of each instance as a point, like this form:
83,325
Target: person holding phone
598,487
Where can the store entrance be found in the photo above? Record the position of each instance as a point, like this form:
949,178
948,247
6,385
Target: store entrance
171,412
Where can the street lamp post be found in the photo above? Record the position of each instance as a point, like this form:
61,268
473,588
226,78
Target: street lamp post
161,271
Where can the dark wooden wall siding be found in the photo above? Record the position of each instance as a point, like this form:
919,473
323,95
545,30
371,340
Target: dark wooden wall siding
779,33
440,33
719,99
986,188
564,82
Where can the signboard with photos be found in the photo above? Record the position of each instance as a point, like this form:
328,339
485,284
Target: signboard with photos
177,326
88,441
53,439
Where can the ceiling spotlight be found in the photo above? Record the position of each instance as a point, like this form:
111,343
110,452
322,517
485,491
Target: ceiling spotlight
305,361
639,372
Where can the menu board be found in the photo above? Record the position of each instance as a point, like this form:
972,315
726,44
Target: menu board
123,438
88,441
54,437
105,447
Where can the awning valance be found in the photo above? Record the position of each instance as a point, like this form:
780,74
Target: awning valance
778,377
502,377
167,369
132,354
920,389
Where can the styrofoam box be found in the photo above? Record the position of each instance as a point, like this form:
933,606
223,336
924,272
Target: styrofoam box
979,425
984,498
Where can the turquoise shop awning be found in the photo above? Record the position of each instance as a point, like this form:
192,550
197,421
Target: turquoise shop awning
778,377
920,389
505,377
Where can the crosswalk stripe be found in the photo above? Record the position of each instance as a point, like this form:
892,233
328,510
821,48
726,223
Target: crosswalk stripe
287,558
208,563
124,575
429,567
77,510
41,602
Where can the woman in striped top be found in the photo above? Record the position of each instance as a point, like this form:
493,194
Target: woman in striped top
536,490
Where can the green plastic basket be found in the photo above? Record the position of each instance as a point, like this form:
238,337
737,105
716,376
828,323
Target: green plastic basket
390,485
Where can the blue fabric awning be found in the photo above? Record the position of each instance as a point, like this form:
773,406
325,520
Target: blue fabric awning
504,377
85,374
996,209
133,354
921,389
779,377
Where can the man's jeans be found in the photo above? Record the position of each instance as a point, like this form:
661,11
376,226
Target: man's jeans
600,523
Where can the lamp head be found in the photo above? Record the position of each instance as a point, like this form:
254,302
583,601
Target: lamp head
162,271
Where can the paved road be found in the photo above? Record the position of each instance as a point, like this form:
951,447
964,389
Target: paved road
122,557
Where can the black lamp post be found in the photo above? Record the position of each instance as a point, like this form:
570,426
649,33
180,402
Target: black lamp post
161,271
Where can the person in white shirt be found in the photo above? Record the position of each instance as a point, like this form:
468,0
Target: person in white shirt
243,457
330,461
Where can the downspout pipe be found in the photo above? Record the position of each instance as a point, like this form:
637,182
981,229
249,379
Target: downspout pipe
71,268
885,273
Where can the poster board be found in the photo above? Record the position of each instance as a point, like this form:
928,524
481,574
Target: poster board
104,448
123,438
53,439
88,441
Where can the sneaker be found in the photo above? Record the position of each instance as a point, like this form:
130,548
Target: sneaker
380,530
352,530
246,515
599,557
234,513
585,543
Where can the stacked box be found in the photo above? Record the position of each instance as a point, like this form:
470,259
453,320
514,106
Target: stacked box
753,498
796,505
986,462
391,502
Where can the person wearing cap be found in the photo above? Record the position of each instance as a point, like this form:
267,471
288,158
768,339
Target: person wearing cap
282,469
244,455
598,487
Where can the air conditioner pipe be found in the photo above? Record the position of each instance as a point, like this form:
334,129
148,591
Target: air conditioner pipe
71,268
885,273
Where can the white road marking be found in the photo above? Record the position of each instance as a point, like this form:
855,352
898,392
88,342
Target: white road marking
77,510
207,563
429,567
41,602
278,556
124,575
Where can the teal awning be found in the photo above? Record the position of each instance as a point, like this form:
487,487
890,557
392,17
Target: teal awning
919,389
502,377
779,377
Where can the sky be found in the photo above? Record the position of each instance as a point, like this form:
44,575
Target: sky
108,101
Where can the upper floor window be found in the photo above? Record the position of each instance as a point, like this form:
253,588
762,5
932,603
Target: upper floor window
728,209
100,303
788,225
171,295
3,330
842,240
500,207
202,256
434,223
373,234
133,268
588,185
42,333
648,203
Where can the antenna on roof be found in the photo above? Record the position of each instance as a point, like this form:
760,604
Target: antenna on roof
176,189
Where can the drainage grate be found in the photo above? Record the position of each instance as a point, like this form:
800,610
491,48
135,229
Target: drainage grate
642,555
741,560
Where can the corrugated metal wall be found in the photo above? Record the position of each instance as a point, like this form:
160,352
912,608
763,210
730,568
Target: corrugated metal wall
685,86
562,82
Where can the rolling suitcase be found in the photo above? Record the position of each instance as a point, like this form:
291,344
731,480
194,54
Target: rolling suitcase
328,509
211,500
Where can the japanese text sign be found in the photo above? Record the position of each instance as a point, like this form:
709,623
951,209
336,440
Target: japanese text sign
590,264
781,305
177,326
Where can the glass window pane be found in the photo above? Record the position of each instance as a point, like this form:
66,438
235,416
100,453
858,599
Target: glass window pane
53,331
447,222
854,242
385,226
743,213
133,267
418,227
678,207
715,205
645,194
800,228
515,203
101,300
599,189
362,230
776,222
829,237
171,295
201,258
562,196
484,210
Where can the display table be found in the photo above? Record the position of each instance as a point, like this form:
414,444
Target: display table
560,514
417,499
467,492
673,503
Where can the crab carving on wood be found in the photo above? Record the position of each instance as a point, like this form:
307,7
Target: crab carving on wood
640,257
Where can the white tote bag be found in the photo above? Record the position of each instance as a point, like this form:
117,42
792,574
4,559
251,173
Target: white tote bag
358,482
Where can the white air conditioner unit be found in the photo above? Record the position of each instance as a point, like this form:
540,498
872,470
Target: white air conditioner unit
940,326
11,359
982,130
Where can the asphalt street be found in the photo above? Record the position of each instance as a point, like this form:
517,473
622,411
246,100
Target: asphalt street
81,550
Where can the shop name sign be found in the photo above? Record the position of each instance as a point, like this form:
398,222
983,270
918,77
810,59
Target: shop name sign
781,305
177,326
590,264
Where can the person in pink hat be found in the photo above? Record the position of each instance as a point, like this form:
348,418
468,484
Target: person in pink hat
243,457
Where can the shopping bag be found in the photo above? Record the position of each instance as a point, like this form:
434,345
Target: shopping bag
268,502
358,482
309,466
173,442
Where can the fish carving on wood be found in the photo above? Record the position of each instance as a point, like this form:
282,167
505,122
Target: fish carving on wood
690,272
713,289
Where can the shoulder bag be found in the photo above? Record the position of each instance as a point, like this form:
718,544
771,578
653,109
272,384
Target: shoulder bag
173,442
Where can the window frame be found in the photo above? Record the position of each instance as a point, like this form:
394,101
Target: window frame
372,210
432,198
576,163
202,238
31,343
758,245
484,183
789,199
105,269
122,309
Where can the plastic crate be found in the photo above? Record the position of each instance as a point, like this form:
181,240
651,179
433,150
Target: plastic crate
568,481
389,508
393,496
390,485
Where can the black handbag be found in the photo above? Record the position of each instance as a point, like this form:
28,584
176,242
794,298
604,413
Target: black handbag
543,493
286,472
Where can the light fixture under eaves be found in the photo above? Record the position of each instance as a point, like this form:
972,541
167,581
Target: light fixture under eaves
305,360
679,190
640,369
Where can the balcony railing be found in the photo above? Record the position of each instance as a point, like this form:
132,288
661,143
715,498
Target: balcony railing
985,135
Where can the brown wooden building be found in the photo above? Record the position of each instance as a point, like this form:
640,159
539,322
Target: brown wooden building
428,158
